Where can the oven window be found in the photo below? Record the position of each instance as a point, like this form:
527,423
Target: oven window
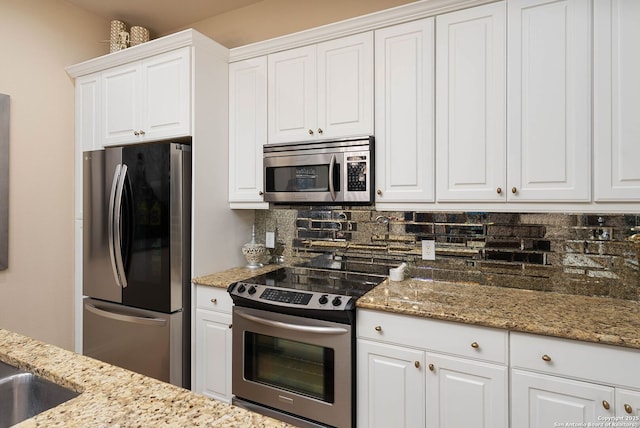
293,366
307,178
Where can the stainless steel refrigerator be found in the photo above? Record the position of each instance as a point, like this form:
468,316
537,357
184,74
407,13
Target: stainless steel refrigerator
136,258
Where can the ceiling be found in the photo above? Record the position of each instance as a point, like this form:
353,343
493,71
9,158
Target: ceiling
160,16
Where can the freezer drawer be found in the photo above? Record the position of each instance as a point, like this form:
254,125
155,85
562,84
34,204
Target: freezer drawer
143,341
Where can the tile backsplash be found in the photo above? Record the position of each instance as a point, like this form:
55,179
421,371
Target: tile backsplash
583,254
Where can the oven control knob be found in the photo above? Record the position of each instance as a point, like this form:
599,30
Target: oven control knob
323,299
336,301
241,288
252,290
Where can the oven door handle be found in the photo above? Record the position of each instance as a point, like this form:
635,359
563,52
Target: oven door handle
293,327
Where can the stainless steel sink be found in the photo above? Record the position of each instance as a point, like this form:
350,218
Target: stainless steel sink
24,395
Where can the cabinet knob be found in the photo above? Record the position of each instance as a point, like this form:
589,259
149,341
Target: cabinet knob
320,131
514,190
136,133
499,190
261,193
311,132
628,408
230,325
606,404
475,345
432,367
546,358
379,192
214,301
378,328
417,364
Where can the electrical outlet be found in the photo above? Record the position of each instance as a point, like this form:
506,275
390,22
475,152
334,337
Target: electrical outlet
270,240
428,249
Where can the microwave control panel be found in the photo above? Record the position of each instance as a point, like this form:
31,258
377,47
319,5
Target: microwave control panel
357,173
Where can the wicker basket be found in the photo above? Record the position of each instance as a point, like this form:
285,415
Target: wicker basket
139,35
115,39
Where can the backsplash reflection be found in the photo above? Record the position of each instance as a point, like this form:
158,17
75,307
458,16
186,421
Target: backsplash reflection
568,253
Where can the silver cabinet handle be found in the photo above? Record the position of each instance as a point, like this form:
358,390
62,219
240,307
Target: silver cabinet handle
158,322
293,327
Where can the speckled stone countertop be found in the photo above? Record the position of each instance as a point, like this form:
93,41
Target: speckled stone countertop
113,397
592,319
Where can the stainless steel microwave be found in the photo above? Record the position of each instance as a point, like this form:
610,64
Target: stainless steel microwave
336,171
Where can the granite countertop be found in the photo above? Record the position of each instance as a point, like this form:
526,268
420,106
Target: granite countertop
593,319
115,397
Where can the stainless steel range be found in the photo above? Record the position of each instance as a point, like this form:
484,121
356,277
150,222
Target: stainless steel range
294,343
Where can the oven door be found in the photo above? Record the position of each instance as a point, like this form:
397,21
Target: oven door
296,365
309,178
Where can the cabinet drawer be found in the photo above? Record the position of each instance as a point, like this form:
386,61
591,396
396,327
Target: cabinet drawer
572,358
464,340
213,298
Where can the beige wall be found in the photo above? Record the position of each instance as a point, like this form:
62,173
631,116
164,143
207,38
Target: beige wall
273,18
39,39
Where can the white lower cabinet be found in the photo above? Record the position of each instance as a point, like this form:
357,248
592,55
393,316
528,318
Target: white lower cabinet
539,400
391,385
557,382
417,372
466,393
212,371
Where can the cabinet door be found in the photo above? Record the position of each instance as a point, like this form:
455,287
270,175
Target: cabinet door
404,78
345,86
549,102
247,131
616,100
470,104
88,112
213,354
391,386
121,104
166,96
539,401
628,404
466,393
292,95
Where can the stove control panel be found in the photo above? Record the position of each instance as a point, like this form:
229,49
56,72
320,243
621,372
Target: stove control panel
287,297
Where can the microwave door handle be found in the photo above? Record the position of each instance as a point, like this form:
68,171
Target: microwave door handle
110,221
117,212
332,189
292,327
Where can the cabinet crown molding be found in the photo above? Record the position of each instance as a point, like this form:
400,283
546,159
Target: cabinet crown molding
397,15
189,37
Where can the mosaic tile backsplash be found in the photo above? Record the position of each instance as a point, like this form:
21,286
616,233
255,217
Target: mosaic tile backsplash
595,255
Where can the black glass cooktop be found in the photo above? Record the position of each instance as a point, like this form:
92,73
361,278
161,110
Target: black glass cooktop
332,282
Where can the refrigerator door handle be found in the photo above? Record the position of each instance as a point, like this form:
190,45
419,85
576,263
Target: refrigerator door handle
158,322
117,214
111,234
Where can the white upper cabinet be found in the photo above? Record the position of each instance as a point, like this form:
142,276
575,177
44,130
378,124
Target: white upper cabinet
470,104
404,100
247,132
549,101
321,91
147,100
617,100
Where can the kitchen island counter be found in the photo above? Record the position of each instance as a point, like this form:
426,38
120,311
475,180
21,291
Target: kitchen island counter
115,397
592,319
